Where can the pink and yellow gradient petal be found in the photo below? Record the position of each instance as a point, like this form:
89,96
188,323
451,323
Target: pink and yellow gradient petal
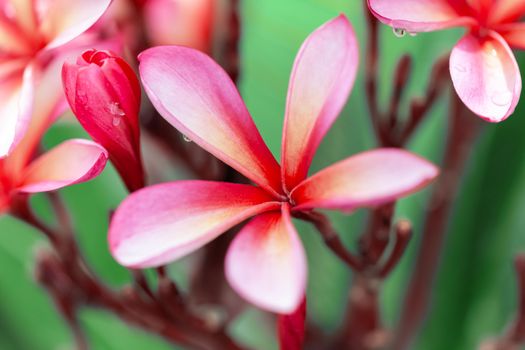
323,75
367,179
17,94
419,15
486,76
71,162
197,97
63,20
506,11
266,263
161,223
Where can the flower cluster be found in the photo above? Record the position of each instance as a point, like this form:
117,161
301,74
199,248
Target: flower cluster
76,53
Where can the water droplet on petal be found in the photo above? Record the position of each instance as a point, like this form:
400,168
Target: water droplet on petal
412,34
114,108
186,138
116,120
502,99
399,32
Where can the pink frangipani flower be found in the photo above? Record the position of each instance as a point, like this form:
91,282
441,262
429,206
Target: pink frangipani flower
266,262
483,68
32,32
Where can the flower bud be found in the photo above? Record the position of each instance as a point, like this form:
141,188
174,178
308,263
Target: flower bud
104,94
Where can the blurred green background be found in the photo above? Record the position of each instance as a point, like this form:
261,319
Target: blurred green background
474,295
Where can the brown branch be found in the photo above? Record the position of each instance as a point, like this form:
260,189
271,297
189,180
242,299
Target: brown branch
463,130
403,232
330,237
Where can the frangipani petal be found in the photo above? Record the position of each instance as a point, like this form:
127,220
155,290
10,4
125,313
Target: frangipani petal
69,163
507,11
63,20
161,223
197,97
514,34
486,76
266,263
419,15
16,94
367,179
322,77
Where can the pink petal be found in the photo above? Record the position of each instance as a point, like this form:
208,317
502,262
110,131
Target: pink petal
486,76
322,77
71,162
16,94
291,328
196,96
514,34
162,223
419,15
266,263
365,180
182,22
48,103
63,20
507,11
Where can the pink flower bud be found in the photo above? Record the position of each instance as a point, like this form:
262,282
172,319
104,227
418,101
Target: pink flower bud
104,94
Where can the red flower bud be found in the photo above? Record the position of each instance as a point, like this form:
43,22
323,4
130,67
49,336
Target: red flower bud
104,94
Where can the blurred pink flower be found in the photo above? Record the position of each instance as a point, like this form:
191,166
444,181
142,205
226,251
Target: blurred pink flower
484,70
266,262
31,33
180,22
104,93
71,162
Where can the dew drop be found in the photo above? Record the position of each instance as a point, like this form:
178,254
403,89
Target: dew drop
502,98
116,120
114,108
186,138
399,32
412,34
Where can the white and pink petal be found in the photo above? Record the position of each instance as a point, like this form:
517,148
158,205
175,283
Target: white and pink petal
161,223
71,162
486,76
367,179
197,97
323,75
266,263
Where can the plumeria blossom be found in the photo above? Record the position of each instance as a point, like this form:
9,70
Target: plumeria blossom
31,33
266,261
70,162
483,68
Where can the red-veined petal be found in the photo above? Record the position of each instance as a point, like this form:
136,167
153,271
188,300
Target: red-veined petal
514,34
507,11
